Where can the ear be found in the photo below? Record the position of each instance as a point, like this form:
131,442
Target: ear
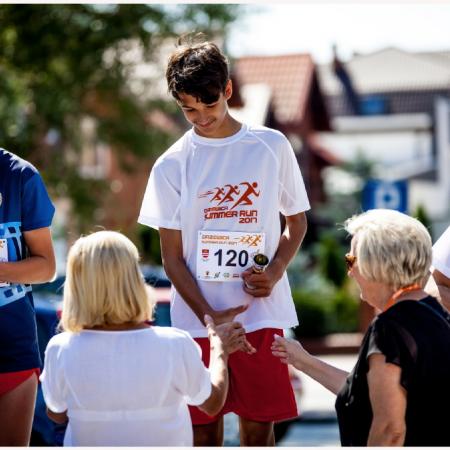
228,90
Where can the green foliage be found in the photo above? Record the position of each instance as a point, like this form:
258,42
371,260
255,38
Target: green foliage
322,312
345,312
421,215
314,310
61,63
330,254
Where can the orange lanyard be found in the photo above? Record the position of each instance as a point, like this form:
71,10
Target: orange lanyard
397,294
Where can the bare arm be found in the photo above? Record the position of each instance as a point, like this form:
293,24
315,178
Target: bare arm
388,401
184,282
39,266
57,417
290,242
292,352
224,339
219,372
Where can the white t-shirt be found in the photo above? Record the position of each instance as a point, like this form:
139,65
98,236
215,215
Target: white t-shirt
441,253
236,184
125,388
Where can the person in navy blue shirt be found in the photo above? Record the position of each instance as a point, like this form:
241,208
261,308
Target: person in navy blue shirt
26,257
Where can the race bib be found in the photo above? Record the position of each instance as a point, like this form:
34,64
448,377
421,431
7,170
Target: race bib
224,255
3,256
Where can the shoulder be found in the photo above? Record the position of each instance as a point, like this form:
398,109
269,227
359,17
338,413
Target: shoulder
273,140
176,152
268,135
179,343
169,165
18,167
178,339
172,333
59,342
404,322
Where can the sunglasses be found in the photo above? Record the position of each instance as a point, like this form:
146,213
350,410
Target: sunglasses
350,261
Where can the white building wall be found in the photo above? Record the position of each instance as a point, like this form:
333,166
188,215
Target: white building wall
401,147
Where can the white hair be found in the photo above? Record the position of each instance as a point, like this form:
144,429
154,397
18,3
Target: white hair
391,247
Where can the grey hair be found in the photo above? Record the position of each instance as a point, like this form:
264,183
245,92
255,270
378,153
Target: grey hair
391,247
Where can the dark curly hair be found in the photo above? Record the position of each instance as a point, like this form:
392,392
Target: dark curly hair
197,69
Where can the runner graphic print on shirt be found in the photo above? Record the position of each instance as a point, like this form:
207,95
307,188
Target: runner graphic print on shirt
229,197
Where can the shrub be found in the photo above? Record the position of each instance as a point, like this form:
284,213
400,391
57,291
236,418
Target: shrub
321,312
314,311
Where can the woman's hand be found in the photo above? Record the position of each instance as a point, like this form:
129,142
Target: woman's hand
224,339
229,336
292,352
289,351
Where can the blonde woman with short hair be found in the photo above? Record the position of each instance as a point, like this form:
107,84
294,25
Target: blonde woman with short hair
118,380
398,389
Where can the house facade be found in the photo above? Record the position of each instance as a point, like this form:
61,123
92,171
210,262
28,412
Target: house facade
283,92
400,122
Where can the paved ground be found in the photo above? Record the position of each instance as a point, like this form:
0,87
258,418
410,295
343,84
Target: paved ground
317,400
312,434
318,426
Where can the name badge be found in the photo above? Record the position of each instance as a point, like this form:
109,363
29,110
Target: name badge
224,255
3,256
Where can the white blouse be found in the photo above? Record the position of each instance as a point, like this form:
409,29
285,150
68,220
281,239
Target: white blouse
125,388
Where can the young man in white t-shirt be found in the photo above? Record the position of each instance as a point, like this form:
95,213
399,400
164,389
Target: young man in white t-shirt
215,196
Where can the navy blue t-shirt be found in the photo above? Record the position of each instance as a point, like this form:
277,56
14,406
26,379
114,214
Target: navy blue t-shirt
24,206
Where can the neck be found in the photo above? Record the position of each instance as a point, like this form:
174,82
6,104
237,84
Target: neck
411,292
229,127
119,326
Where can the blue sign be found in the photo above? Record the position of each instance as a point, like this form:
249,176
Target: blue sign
385,194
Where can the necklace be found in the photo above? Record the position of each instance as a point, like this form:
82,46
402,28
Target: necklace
401,291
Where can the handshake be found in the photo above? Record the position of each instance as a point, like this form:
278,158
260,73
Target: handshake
226,333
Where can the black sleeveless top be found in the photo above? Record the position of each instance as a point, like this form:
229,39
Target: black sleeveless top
415,335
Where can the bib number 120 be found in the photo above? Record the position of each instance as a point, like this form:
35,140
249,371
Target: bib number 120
232,257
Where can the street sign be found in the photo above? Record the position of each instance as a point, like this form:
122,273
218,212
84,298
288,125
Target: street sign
385,194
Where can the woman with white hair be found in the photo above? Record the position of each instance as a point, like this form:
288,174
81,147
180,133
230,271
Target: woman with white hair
398,391
118,380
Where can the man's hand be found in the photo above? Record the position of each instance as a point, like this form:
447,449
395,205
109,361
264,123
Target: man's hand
230,335
260,284
227,315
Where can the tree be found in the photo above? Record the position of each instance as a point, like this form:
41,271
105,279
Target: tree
62,63
422,216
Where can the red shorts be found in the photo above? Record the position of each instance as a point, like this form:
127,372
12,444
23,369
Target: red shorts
10,380
260,388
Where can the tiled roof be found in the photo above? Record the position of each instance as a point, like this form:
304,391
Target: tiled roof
289,78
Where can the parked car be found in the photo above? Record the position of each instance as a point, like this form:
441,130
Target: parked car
48,306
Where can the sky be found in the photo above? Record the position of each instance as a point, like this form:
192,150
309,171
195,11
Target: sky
364,27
